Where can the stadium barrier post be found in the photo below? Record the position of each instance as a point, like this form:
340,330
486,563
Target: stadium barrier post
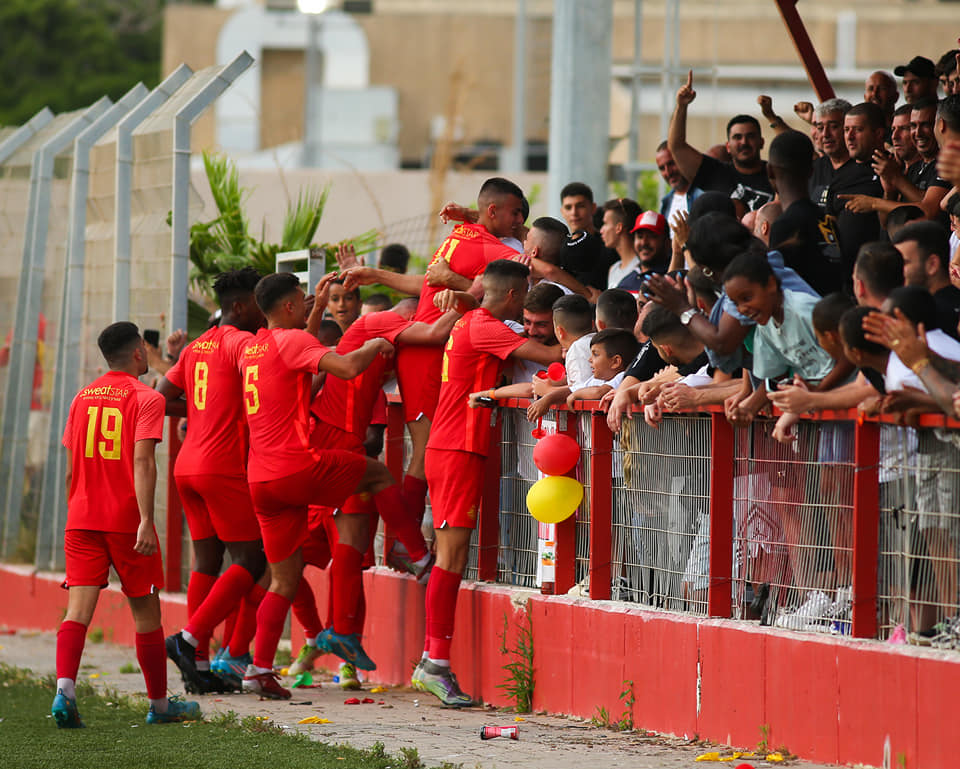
866,527
719,598
174,513
488,525
601,506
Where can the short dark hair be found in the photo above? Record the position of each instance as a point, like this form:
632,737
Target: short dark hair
793,152
556,237
903,109
715,239
852,333
625,210
395,256
704,287
742,119
931,239
617,341
329,332
917,304
273,288
953,205
948,110
828,311
576,189
660,323
504,274
880,266
872,112
498,187
117,341
710,202
378,300
924,103
573,313
898,218
947,63
751,264
541,297
617,309
234,285
664,145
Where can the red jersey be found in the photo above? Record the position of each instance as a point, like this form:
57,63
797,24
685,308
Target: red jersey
473,360
277,368
348,403
468,250
207,372
106,419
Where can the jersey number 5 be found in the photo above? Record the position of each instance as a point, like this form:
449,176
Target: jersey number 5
111,423
201,372
251,396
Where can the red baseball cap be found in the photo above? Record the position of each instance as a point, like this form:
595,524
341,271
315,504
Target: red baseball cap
650,220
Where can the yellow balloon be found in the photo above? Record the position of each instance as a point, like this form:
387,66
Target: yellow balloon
554,498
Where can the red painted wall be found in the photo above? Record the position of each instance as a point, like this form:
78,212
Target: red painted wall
824,698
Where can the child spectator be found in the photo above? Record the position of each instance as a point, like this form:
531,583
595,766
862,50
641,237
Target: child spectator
573,328
616,308
611,350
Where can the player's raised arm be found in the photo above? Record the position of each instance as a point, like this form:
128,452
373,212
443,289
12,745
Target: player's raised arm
353,363
321,295
365,276
688,158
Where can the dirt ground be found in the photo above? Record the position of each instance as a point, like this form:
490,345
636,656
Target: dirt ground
400,718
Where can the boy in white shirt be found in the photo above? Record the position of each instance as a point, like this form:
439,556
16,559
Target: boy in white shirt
573,328
611,351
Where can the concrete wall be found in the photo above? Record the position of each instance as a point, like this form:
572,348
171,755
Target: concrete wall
423,49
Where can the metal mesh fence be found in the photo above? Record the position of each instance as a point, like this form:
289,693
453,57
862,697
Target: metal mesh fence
584,436
661,516
793,532
517,557
919,535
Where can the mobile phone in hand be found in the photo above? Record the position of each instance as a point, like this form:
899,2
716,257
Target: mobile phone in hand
151,336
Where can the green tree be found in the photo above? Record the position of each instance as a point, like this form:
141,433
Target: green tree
66,54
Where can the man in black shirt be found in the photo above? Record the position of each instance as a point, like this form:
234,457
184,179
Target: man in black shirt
919,79
585,257
828,121
745,179
802,233
925,248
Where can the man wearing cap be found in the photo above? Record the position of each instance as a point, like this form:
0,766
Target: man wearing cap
745,179
652,246
919,79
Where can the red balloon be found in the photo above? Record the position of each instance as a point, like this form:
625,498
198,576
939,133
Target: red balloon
556,372
556,454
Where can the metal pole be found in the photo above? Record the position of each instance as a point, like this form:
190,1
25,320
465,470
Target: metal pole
518,152
633,136
580,96
311,126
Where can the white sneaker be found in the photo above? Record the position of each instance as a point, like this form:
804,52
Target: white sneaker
810,612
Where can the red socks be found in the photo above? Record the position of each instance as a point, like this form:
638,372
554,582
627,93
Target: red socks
245,628
70,641
228,591
441,607
305,609
228,625
152,657
271,617
346,578
197,591
401,521
415,496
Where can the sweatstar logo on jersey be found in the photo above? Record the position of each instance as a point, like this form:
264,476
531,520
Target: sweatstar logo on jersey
462,231
105,392
205,345
256,350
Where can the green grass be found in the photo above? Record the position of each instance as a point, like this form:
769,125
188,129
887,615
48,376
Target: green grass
117,736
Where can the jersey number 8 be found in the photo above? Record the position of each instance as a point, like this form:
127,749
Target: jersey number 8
201,373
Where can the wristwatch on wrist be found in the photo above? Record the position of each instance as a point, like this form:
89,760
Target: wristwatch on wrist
687,315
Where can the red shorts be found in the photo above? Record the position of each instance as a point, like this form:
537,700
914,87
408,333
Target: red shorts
218,506
90,554
319,545
418,374
324,437
282,504
455,481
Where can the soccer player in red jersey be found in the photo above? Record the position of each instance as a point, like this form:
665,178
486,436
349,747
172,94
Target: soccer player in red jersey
343,410
112,429
211,477
467,250
474,358
287,474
